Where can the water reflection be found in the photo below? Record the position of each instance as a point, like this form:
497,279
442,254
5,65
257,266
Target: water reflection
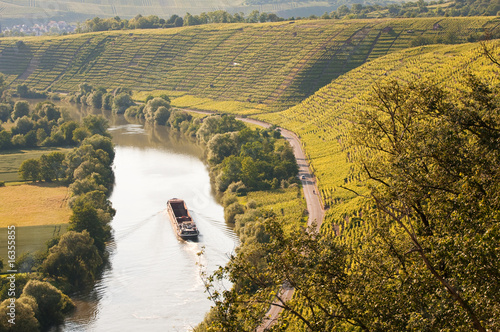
153,282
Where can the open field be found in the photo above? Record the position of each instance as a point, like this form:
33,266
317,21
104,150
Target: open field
33,205
239,68
30,239
11,160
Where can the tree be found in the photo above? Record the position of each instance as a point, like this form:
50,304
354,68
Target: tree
5,110
21,108
104,143
161,115
51,166
96,124
432,168
121,102
25,320
23,125
30,170
221,146
75,258
86,217
52,303
153,105
5,141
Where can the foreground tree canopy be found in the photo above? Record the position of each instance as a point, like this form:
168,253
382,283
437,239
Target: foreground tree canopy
426,257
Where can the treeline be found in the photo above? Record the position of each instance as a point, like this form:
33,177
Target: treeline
44,125
154,22
419,8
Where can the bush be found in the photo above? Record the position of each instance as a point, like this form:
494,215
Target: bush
232,210
251,204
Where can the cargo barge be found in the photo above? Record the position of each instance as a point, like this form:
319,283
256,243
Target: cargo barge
181,220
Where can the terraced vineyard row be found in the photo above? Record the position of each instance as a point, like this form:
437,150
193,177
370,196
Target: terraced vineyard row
254,68
321,120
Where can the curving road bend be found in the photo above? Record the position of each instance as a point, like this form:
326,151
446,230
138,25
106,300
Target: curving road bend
314,209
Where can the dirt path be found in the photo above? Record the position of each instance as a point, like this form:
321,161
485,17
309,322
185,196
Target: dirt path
314,208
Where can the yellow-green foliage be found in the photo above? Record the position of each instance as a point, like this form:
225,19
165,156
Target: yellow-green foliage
257,67
321,120
288,203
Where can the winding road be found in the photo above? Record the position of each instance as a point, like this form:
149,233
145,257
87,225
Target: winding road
314,209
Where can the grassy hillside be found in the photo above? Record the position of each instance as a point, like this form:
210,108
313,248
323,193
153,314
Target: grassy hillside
241,68
321,123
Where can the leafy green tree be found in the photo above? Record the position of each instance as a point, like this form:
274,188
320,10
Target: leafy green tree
161,115
121,102
86,217
104,143
52,303
5,140
153,105
48,109
177,117
23,125
96,124
5,110
311,264
88,184
67,129
22,90
75,258
30,170
79,134
18,141
95,99
221,146
25,320
52,166
21,108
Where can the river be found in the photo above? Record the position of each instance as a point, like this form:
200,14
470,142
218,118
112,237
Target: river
153,281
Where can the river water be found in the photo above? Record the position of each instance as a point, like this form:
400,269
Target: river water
153,282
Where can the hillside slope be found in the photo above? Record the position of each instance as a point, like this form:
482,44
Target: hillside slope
321,120
243,68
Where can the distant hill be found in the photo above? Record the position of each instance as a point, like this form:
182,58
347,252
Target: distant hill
73,10
245,68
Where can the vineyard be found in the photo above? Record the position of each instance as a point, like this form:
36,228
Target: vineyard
321,120
238,68
272,71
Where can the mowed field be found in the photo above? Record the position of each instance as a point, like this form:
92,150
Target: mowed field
29,239
33,205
